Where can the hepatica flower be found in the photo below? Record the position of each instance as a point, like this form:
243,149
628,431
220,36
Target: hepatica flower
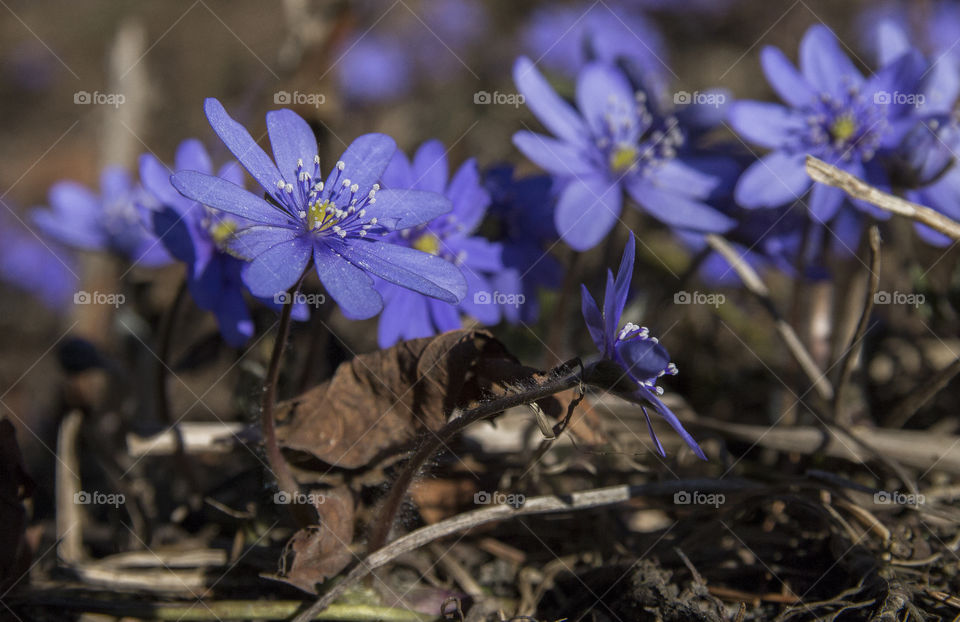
832,112
199,236
642,358
611,142
338,223
115,220
408,314
30,264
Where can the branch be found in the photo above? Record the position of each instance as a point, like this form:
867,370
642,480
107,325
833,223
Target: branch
825,173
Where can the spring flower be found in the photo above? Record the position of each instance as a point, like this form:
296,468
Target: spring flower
610,143
40,268
642,358
338,223
408,314
199,237
114,221
831,112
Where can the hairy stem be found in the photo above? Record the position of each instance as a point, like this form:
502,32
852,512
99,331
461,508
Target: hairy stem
434,441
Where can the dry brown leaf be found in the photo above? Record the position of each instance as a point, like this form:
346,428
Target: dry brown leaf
322,551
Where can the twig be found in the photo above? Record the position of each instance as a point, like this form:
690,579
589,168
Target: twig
909,405
69,530
856,345
758,288
537,505
825,173
434,441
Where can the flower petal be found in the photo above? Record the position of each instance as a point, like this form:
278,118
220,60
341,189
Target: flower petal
621,286
784,78
774,180
283,256
556,156
765,124
600,87
824,64
348,285
155,178
410,268
553,112
292,140
227,197
674,422
644,359
365,161
677,210
825,201
470,199
587,210
242,146
484,309
430,167
401,209
192,156
592,318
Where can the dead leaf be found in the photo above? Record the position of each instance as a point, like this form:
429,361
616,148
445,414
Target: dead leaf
321,551
377,403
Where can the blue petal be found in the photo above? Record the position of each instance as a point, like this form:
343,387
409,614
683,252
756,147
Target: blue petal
901,76
399,173
587,210
671,418
430,167
348,285
400,209
470,199
677,210
554,113
598,86
593,319
192,156
765,124
684,179
291,139
621,286
115,185
643,358
892,40
825,65
282,259
410,268
611,315
480,253
227,197
482,308
242,146
170,227
784,78
773,180
364,161
155,178
444,315
825,201
550,154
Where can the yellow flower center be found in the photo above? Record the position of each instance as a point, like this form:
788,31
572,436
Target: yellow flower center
223,231
428,243
623,158
317,215
843,128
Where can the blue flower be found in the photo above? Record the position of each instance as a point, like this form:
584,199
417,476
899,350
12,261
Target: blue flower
114,221
831,112
199,237
30,264
522,208
408,314
643,359
337,223
610,143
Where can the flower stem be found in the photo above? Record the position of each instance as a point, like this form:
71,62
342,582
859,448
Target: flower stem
278,464
165,338
434,441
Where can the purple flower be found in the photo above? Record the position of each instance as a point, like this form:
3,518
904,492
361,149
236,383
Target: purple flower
408,314
642,358
336,223
114,221
831,112
199,236
40,268
610,143
522,211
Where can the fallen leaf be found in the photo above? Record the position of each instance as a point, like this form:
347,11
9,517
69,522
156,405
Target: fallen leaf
321,551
